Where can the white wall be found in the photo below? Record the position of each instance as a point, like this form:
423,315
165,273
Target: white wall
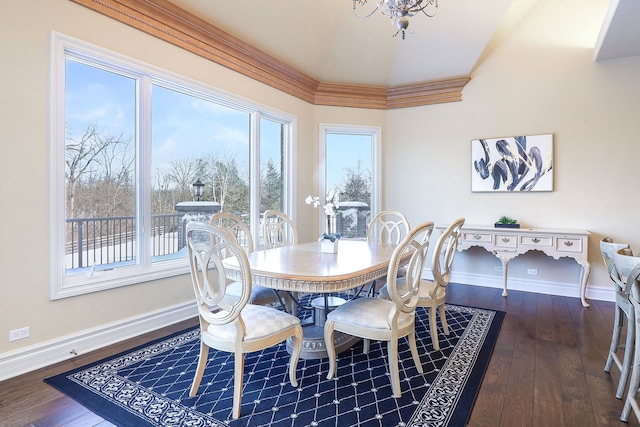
540,79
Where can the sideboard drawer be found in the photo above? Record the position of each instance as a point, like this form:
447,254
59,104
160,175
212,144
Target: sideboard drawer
506,241
569,244
477,237
546,241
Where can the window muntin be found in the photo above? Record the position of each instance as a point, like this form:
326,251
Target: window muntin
163,123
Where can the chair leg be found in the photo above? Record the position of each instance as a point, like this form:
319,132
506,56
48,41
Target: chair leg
392,349
443,319
202,363
634,384
331,349
295,355
237,384
625,370
615,339
433,327
366,345
414,351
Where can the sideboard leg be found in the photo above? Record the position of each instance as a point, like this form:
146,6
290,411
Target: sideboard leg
586,269
505,270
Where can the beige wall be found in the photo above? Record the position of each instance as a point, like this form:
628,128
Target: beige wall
540,79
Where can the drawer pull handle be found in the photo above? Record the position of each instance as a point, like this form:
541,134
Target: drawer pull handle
505,239
477,236
535,240
568,243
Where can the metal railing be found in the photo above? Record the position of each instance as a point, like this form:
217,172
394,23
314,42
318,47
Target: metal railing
99,241
103,241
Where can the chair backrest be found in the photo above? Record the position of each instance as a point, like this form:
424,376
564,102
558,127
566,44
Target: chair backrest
608,249
208,245
278,230
631,266
388,227
406,297
625,269
239,229
444,252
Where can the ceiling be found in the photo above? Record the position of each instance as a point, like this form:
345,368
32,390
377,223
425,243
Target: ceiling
324,40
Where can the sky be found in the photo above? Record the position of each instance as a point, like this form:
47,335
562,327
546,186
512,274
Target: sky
183,125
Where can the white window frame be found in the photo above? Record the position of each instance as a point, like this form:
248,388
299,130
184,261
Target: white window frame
64,285
375,132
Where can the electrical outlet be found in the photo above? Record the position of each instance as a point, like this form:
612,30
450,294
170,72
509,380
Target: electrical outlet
532,271
19,334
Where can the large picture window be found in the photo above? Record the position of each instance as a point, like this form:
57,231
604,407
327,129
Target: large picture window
130,146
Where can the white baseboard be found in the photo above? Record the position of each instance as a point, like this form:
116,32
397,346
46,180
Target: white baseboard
29,359
542,287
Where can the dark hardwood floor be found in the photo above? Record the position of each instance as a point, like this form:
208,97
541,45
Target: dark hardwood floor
546,369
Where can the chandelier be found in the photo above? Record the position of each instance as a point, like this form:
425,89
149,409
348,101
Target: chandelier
398,10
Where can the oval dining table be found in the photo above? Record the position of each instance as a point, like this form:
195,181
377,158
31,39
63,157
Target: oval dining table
303,268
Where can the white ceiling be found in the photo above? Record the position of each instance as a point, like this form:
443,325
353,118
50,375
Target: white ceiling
324,39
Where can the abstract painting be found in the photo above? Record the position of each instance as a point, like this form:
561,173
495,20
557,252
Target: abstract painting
512,164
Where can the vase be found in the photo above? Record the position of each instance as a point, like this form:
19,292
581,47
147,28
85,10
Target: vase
329,247
331,226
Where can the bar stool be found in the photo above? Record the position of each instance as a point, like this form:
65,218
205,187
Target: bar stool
623,312
628,267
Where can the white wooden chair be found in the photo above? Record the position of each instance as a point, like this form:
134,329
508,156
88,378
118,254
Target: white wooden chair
235,327
259,294
627,268
387,227
623,314
433,293
278,230
386,320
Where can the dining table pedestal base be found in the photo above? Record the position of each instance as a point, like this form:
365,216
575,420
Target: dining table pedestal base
313,345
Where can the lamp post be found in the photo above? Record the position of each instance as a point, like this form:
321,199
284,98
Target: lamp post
198,187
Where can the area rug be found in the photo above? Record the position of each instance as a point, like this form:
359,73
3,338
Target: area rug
149,385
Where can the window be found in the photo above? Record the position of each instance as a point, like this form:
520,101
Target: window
129,141
350,157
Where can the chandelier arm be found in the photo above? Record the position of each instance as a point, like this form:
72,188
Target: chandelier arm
398,10
362,3
429,3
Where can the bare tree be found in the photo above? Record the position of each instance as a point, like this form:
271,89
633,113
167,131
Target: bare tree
88,159
356,186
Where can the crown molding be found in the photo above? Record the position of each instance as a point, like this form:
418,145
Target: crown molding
168,22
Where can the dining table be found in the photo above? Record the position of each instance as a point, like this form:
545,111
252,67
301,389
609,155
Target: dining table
303,269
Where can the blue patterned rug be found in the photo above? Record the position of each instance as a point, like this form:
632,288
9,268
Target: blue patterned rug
149,385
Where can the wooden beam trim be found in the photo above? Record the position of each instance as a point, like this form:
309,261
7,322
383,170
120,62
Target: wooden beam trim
168,22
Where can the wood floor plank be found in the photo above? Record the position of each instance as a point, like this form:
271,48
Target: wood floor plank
547,413
489,404
518,404
547,381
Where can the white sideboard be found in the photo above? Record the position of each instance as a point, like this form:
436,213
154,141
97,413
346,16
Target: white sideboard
508,243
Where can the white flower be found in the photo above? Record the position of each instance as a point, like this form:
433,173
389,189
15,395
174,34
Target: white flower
332,202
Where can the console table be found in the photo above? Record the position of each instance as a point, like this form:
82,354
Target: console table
508,243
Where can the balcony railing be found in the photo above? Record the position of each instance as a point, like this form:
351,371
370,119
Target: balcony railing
108,241
99,241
